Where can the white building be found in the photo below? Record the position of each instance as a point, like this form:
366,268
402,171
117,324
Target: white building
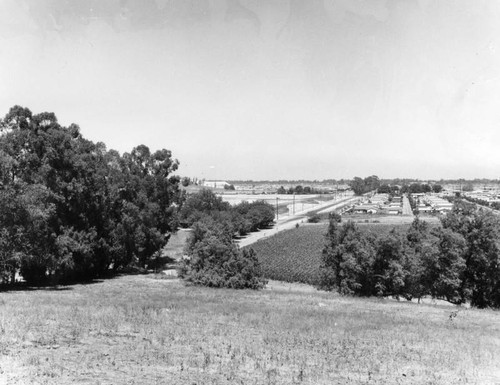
215,183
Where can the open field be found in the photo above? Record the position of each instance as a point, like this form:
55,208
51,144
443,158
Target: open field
283,199
387,219
142,330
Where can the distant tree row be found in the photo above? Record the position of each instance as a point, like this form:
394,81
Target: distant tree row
458,261
421,188
70,210
414,188
299,190
388,189
362,186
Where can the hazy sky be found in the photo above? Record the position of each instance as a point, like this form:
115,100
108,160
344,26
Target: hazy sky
269,89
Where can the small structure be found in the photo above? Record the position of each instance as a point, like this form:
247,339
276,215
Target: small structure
394,210
215,183
365,209
397,199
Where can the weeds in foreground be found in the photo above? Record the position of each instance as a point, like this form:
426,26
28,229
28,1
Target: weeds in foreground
146,331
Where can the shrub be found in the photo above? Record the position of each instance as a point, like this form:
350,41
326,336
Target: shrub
335,216
314,218
216,261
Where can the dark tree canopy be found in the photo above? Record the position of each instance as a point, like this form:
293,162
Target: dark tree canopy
458,261
241,219
362,186
71,209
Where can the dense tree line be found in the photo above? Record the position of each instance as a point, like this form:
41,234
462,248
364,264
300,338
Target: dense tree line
458,261
388,189
301,190
421,188
70,209
240,219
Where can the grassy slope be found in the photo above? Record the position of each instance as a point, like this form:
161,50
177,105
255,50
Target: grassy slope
140,330
295,255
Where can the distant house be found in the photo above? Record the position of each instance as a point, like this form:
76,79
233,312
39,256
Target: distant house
215,183
365,209
443,207
394,210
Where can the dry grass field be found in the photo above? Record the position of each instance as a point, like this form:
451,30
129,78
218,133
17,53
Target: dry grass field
146,330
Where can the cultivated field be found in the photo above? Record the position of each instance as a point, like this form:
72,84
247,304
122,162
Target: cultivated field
142,330
292,255
295,255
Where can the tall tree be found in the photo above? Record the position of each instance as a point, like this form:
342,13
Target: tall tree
89,209
347,260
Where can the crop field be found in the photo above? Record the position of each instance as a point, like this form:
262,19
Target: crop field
145,330
292,255
295,255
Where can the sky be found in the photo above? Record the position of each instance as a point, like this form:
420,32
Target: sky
268,89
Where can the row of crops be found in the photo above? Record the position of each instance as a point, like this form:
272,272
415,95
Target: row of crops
295,255
292,255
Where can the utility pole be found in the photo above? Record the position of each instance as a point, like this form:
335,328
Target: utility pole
277,212
293,203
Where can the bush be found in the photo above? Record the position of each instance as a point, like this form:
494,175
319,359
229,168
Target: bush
216,261
335,216
314,218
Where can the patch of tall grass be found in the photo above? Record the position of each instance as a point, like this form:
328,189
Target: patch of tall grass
138,329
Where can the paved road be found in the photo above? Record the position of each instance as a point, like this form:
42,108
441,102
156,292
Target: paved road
289,222
407,207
